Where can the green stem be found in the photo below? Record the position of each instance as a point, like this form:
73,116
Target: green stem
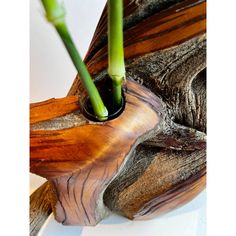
116,65
55,14
117,94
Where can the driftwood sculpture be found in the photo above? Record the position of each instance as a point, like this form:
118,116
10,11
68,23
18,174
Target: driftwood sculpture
151,158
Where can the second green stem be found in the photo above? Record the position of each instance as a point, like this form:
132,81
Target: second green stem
116,65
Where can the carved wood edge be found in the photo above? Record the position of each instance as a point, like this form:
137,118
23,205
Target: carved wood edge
81,161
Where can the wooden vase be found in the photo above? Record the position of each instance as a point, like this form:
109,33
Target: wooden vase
80,161
151,158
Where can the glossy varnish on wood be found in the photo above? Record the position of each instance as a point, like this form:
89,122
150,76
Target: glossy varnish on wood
81,161
52,108
159,31
167,52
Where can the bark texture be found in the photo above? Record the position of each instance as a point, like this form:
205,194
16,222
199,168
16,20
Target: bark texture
40,207
165,50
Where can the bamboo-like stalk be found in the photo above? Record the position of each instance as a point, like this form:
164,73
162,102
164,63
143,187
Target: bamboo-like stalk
55,14
116,65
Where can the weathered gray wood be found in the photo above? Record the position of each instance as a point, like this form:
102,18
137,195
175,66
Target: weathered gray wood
155,181
40,207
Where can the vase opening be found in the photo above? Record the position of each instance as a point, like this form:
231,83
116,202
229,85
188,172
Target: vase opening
105,90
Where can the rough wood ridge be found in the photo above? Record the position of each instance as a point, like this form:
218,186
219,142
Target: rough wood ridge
163,162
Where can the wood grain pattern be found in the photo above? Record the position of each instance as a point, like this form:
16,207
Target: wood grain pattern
157,32
175,197
40,207
162,30
81,161
134,13
165,51
171,178
52,108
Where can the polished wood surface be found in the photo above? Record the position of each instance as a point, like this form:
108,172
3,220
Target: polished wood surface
159,31
52,108
81,161
165,50
162,30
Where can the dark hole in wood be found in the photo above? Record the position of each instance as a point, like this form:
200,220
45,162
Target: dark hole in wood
199,82
105,89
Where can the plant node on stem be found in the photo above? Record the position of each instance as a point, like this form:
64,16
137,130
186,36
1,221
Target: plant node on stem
116,65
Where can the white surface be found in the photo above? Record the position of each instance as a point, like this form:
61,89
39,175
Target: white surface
51,75
51,70
188,220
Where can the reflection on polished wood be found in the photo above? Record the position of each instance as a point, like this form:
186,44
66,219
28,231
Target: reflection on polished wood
152,158
81,161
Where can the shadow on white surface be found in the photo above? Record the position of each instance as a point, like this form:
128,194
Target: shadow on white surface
189,220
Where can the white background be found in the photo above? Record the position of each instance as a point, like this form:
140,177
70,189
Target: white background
51,75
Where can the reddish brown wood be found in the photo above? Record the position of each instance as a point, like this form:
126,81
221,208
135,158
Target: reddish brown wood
52,108
162,30
101,29
81,161
80,175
